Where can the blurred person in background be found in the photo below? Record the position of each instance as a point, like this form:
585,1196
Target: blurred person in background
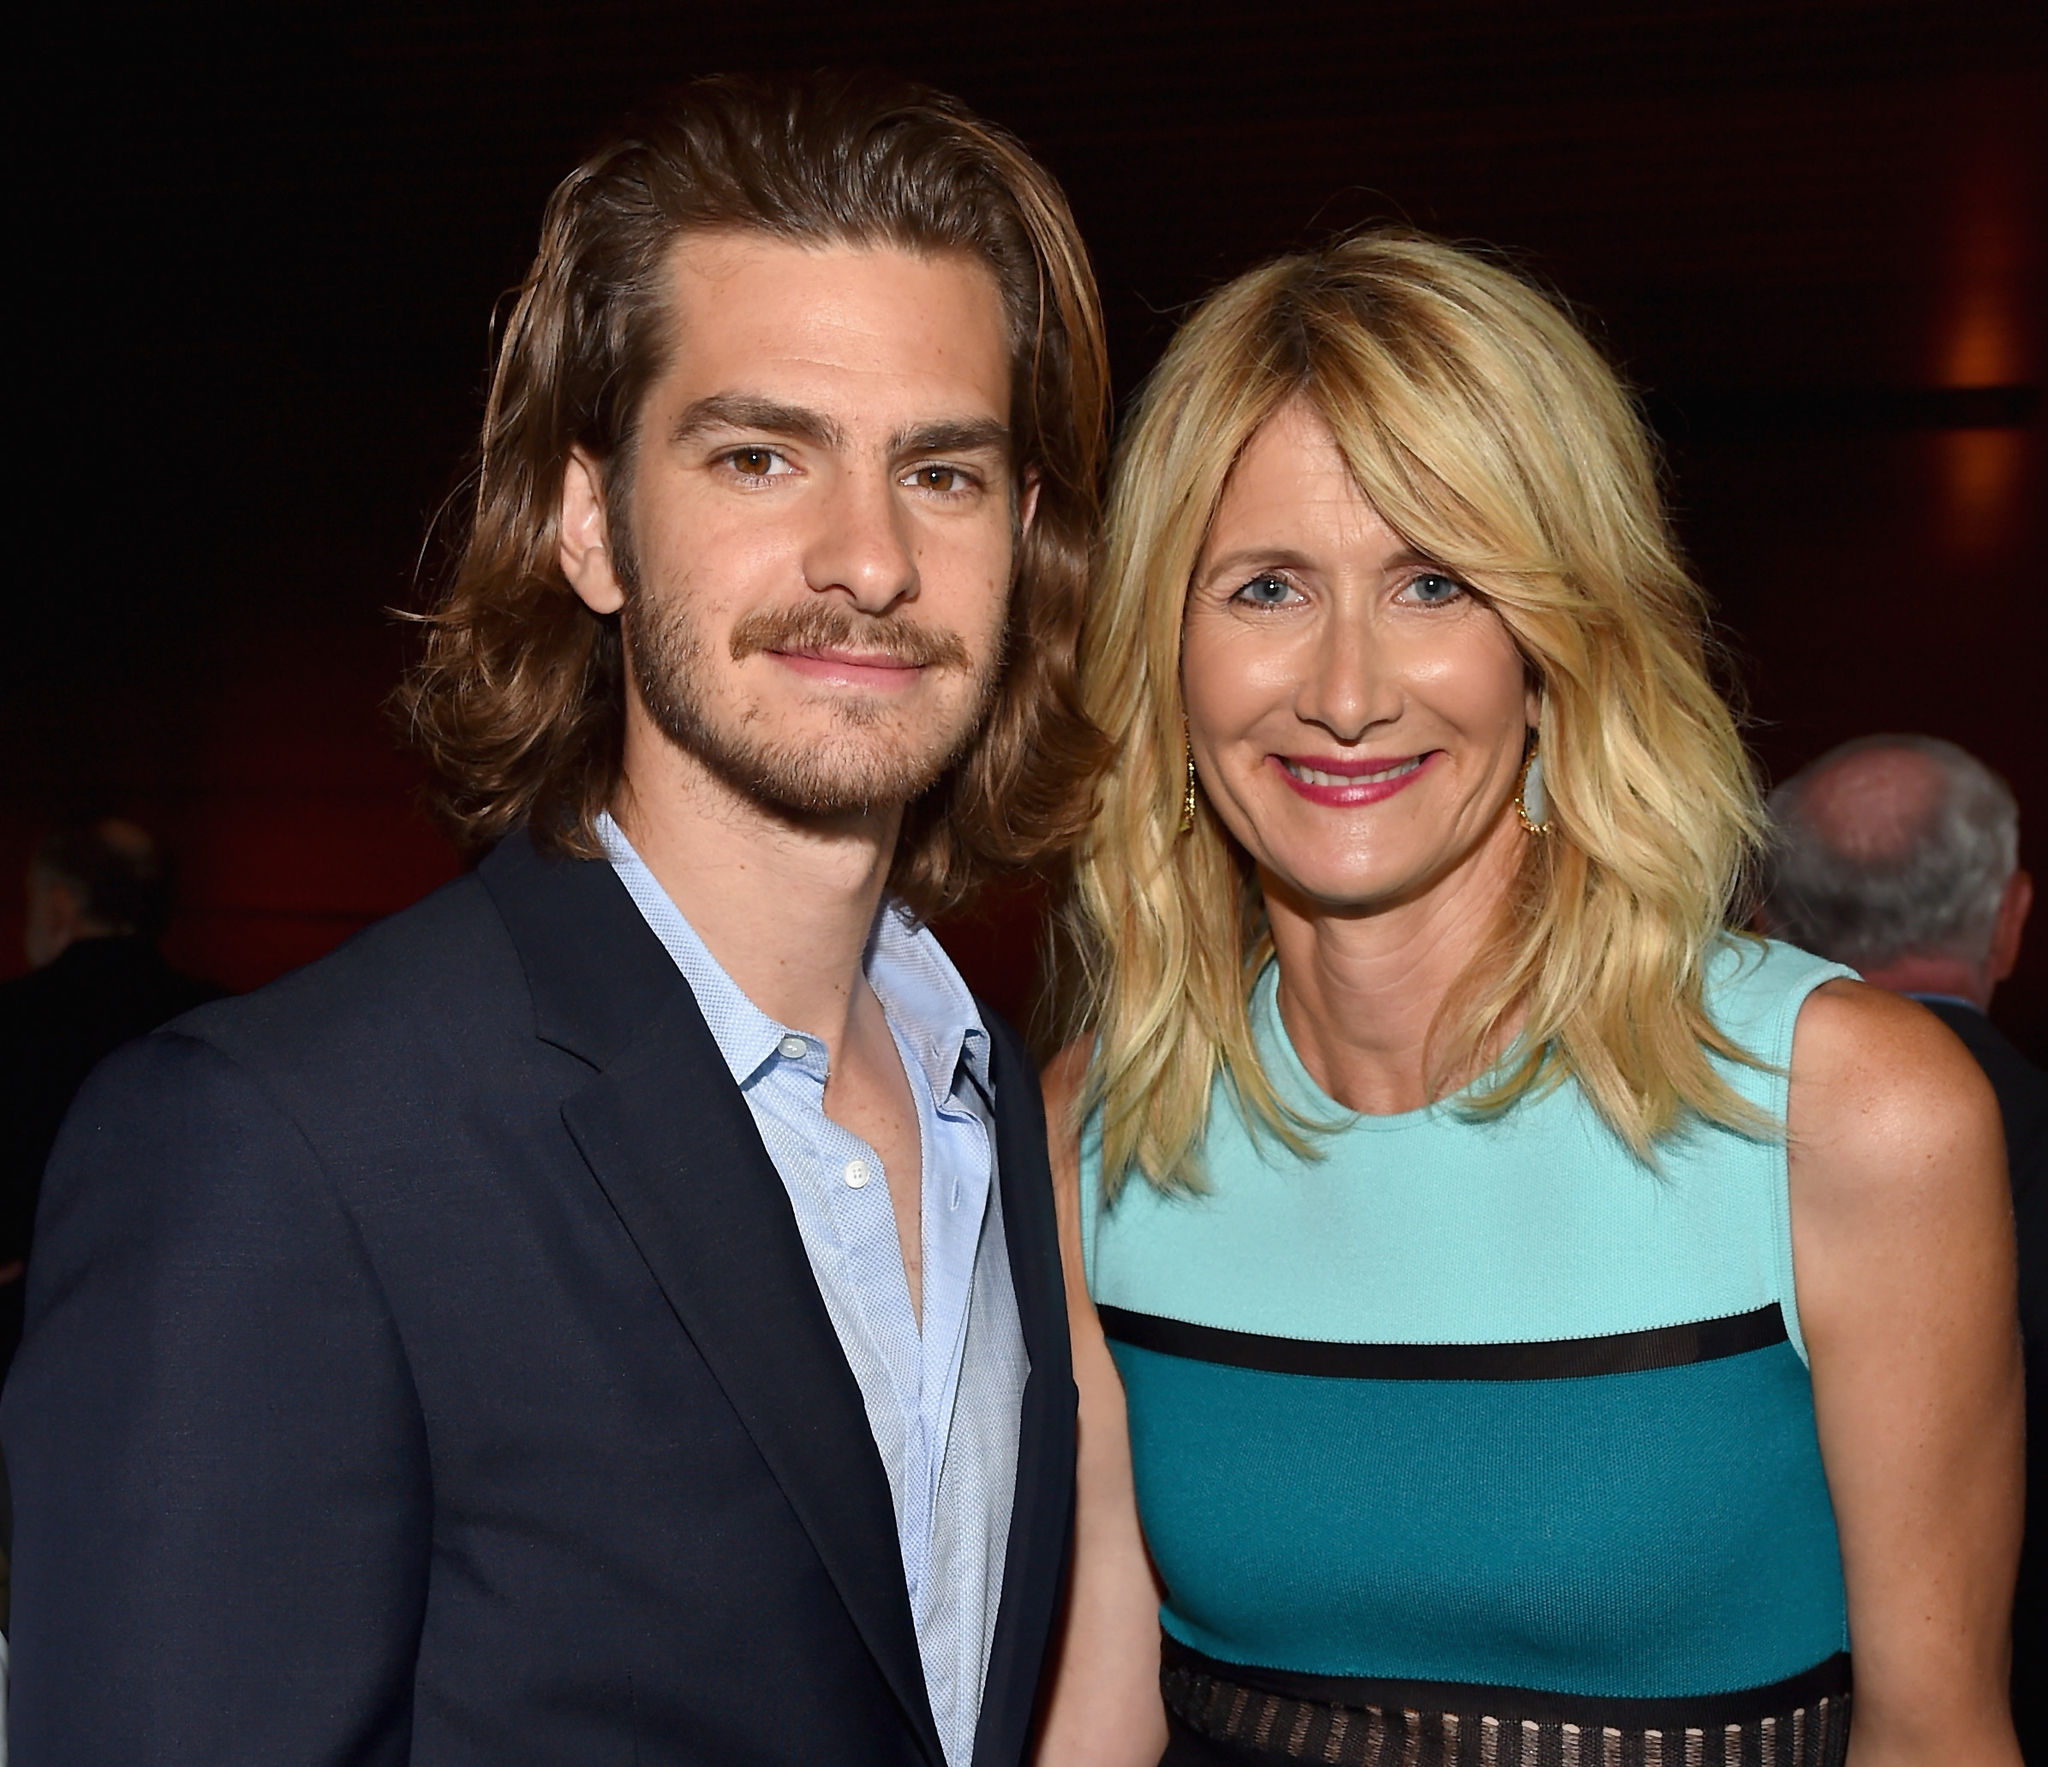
1899,856
99,898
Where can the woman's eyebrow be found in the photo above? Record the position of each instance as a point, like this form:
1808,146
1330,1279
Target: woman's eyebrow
1286,558
1244,558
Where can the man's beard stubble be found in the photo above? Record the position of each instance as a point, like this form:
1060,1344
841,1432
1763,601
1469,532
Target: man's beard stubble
821,779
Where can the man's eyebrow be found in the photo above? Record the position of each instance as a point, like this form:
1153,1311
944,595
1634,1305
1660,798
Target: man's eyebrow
746,411
962,435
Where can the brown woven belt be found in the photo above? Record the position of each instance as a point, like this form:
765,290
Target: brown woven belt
1218,1718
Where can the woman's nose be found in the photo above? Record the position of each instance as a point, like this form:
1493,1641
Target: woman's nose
1348,684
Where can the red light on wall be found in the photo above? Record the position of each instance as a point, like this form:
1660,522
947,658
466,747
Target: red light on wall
1986,334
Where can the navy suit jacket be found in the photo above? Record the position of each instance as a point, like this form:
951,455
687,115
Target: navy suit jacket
422,1365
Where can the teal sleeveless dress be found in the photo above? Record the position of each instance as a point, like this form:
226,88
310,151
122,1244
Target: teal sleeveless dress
1481,1441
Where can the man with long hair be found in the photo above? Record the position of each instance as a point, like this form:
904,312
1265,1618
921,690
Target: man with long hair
611,1311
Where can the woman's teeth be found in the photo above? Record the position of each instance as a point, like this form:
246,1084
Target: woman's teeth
1315,776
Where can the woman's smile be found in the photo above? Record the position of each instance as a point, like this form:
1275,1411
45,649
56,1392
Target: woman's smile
1346,783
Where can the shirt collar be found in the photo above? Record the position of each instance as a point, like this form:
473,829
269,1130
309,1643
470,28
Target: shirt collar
927,1003
1945,1000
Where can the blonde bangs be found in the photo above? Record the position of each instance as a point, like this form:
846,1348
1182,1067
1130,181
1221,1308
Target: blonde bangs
1490,435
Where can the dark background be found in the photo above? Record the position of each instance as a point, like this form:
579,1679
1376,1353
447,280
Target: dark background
257,254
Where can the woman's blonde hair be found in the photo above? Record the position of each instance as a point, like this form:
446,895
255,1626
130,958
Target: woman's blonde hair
1491,436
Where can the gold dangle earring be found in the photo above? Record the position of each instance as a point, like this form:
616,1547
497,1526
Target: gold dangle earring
1187,802
1532,802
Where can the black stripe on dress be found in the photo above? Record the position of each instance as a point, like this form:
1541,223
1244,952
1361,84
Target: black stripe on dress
1227,1712
1624,1352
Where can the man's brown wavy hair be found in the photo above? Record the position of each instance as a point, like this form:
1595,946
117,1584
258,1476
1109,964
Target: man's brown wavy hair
519,696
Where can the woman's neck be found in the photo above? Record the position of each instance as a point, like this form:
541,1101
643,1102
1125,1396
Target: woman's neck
1360,989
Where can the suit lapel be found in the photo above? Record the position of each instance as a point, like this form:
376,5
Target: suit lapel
1042,1511
675,1149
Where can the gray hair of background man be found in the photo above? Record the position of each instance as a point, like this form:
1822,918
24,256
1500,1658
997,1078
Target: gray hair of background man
1921,875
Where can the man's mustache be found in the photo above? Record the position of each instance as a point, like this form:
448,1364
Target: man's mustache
831,625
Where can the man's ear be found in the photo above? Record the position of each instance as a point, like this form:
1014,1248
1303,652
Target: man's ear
585,548
1027,501
55,918
2011,923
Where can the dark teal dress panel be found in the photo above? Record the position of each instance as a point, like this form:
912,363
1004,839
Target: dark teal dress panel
1639,1535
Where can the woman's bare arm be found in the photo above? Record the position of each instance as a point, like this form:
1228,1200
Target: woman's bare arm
1105,1709
1902,1243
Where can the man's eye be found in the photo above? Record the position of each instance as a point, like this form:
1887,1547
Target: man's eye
943,479
1433,589
756,463
1266,590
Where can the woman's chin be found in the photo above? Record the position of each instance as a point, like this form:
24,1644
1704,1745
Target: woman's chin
1336,888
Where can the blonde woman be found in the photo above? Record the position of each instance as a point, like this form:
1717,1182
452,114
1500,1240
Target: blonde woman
1551,1327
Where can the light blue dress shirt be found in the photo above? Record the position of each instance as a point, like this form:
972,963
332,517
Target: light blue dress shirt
943,1401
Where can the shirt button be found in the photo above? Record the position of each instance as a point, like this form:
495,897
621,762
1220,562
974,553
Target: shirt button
794,1047
857,1174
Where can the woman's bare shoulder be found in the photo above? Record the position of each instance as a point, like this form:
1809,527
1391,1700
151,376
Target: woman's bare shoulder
1065,1075
1884,1095
1063,1080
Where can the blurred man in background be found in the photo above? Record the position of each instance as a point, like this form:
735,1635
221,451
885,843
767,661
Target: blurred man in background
1900,855
99,897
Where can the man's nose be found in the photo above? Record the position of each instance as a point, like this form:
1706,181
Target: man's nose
861,547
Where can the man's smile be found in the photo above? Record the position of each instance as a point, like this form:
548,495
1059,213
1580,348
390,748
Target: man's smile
855,668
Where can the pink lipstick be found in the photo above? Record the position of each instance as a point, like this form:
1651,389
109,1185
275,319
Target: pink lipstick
1346,782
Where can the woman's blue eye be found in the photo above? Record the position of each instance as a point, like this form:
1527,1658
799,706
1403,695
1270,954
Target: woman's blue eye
1265,590
1433,588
